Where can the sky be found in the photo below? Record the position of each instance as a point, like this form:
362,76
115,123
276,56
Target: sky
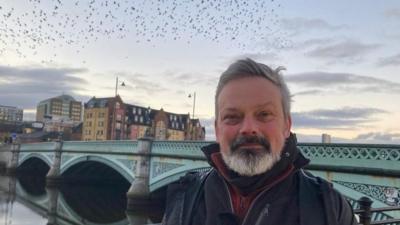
342,58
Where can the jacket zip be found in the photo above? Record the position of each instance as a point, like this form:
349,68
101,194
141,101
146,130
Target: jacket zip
264,213
252,204
229,195
257,197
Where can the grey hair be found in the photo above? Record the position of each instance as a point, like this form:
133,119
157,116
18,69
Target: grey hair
250,68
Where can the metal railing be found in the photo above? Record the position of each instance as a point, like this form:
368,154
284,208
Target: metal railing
365,213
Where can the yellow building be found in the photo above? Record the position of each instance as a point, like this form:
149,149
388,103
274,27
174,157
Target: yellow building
95,124
104,119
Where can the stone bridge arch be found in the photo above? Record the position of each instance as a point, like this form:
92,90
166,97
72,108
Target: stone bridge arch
124,168
46,158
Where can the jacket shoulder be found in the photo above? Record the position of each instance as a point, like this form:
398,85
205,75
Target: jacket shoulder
182,196
336,208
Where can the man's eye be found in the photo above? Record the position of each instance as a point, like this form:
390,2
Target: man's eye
264,114
231,118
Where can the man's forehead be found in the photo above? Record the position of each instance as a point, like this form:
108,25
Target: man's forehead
230,106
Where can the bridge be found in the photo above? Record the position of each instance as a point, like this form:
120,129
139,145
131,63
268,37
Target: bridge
355,170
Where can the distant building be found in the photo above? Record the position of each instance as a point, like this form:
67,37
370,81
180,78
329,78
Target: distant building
169,126
195,130
326,138
11,114
60,106
104,119
139,123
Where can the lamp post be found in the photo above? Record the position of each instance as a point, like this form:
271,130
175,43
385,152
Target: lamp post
190,122
116,85
194,102
113,133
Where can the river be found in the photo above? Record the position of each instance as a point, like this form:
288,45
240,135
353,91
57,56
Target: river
27,201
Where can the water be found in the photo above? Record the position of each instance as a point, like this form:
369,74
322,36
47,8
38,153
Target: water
27,201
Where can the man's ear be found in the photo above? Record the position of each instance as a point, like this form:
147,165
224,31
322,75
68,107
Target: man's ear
288,126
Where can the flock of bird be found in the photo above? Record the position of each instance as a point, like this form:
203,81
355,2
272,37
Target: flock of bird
26,28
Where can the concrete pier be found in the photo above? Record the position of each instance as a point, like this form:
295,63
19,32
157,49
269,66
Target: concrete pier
53,176
52,207
12,165
139,193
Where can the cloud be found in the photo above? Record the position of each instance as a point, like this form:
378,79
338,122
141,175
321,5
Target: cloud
390,61
378,136
299,24
304,44
342,118
140,82
185,79
24,87
267,56
309,92
345,51
393,13
342,82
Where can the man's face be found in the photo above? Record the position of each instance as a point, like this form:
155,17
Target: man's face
250,126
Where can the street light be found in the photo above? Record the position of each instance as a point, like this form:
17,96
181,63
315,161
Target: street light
194,102
114,111
116,86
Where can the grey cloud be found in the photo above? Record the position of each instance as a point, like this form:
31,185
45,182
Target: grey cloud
267,56
343,118
139,82
390,61
24,87
342,51
378,136
299,24
20,74
343,82
346,112
309,92
190,79
311,43
393,13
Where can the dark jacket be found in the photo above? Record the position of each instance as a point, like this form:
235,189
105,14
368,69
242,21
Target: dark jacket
299,199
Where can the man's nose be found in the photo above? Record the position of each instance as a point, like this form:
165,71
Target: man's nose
249,126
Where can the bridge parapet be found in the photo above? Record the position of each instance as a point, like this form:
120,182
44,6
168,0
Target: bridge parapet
41,146
375,159
125,146
182,148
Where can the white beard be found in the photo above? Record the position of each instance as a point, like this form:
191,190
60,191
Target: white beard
250,163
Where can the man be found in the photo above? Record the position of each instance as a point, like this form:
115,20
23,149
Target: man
257,176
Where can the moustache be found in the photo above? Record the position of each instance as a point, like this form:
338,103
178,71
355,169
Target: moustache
239,141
